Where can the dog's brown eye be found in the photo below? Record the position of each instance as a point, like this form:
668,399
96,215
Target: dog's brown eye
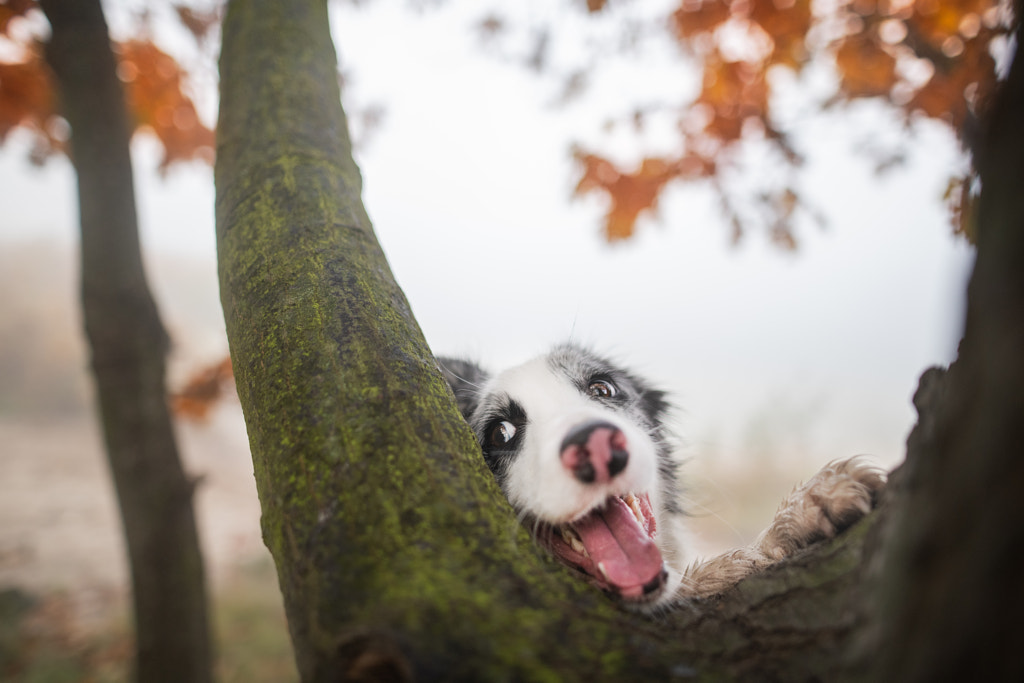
601,389
502,433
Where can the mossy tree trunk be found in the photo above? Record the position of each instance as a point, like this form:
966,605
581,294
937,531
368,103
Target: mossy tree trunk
128,343
397,556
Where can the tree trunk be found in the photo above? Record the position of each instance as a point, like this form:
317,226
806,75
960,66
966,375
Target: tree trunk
952,596
397,556
128,344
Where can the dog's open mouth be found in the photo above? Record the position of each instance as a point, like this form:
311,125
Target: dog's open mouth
614,545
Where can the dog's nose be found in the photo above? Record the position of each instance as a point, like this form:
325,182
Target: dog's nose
595,451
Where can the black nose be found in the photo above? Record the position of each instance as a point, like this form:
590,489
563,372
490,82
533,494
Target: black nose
618,462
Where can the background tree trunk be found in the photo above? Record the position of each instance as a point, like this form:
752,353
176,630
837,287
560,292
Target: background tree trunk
128,344
397,556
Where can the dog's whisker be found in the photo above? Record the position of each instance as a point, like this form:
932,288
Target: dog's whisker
478,387
703,510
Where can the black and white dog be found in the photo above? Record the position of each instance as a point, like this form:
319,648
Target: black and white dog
578,446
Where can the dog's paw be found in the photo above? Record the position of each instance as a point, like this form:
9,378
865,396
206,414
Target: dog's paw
833,499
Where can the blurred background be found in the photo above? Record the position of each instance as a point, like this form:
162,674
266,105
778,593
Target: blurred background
783,345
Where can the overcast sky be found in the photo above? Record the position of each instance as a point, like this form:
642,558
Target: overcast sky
468,182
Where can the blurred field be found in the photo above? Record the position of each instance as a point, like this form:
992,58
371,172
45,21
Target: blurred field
63,594
64,610
42,639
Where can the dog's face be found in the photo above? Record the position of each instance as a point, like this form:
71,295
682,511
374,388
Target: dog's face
577,446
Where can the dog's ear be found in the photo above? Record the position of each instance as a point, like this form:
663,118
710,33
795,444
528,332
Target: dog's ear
466,380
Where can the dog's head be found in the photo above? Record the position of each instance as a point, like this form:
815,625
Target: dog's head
577,445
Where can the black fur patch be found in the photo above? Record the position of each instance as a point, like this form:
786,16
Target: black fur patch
466,380
499,457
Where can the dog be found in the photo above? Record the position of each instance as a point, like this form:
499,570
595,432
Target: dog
579,447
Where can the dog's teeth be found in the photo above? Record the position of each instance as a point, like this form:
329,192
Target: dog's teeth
604,572
572,539
634,504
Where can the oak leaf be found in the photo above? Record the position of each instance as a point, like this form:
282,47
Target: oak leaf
9,9
629,193
699,16
27,100
155,89
732,92
865,68
787,27
203,390
956,85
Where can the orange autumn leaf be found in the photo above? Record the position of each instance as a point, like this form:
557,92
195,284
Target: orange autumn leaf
699,16
155,89
203,391
865,69
926,57
10,9
26,95
732,92
787,26
938,21
26,89
945,95
629,194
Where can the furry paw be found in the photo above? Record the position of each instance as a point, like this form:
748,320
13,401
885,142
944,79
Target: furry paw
833,499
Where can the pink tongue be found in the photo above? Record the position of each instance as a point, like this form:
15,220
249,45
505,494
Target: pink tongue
614,539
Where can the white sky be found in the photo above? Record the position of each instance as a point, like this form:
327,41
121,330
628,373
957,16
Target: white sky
468,182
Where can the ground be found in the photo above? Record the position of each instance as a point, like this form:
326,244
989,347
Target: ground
61,547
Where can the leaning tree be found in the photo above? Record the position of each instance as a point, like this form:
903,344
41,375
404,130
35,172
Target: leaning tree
397,555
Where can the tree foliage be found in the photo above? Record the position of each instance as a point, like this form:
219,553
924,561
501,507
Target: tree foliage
925,59
156,87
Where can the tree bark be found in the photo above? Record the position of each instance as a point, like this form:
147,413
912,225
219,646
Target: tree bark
951,591
128,345
398,558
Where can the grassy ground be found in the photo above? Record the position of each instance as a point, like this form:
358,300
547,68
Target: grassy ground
40,644
252,635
